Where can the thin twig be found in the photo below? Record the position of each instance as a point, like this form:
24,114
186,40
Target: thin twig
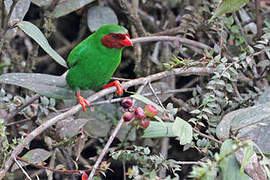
259,22
172,38
132,14
115,100
236,91
64,171
254,19
124,170
206,136
155,94
164,152
14,2
53,5
20,166
241,28
259,19
2,14
115,132
191,82
183,105
179,71
18,122
189,163
120,79
170,32
149,20
105,149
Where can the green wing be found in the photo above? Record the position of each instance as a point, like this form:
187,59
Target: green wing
76,53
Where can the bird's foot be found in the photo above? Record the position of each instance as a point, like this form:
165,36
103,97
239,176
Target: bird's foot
118,85
82,101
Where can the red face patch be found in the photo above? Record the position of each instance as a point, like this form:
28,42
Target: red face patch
116,40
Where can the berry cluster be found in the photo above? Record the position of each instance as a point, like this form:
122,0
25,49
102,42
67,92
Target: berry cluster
138,116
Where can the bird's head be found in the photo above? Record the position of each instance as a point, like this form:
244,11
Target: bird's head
114,36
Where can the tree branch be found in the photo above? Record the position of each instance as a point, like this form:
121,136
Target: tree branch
179,71
105,149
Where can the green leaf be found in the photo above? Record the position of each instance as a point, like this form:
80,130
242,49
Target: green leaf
220,68
99,15
147,101
35,156
19,10
43,84
196,111
227,75
33,31
183,130
158,130
229,165
45,101
228,6
207,110
220,82
248,152
65,7
266,36
41,3
229,88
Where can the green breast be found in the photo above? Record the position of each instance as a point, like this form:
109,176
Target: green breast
93,67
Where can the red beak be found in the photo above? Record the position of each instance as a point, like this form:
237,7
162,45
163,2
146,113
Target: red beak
126,42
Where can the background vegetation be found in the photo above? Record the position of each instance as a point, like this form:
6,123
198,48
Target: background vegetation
204,65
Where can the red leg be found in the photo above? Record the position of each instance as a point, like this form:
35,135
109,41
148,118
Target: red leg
118,85
82,101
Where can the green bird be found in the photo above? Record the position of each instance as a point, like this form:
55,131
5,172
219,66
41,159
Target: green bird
94,60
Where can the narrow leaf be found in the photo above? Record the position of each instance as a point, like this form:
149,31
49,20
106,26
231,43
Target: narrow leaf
33,31
228,6
43,84
19,10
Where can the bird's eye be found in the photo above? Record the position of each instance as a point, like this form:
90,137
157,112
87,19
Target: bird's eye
114,35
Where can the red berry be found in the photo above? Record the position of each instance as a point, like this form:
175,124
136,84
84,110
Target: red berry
127,116
150,110
126,103
84,176
139,113
144,123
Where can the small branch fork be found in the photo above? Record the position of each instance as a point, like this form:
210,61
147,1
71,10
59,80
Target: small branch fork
66,171
105,149
20,166
179,71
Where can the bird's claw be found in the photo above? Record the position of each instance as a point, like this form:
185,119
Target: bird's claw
82,101
118,85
